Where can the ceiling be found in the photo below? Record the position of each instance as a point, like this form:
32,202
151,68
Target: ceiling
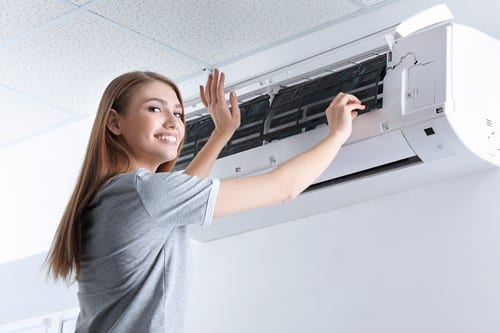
57,56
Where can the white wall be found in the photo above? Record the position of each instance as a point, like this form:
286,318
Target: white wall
425,260
422,260
37,177
25,292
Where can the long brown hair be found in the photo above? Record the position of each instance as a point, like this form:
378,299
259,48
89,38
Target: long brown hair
106,156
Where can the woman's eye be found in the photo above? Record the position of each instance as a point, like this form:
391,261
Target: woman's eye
154,109
178,114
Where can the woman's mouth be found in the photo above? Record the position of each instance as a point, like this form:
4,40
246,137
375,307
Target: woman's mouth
167,138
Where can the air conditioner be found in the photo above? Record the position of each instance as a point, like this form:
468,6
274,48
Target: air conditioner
433,108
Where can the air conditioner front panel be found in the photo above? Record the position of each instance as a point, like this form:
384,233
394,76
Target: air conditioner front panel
352,158
371,153
474,77
416,84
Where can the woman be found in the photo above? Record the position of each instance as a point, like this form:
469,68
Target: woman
123,233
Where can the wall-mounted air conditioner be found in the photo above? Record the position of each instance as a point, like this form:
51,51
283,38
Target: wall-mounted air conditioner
433,108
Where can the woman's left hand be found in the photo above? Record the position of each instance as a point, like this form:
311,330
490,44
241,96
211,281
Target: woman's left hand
226,120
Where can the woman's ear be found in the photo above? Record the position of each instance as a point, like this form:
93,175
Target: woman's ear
113,122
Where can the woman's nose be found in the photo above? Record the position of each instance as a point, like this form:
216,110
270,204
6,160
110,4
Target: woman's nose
170,120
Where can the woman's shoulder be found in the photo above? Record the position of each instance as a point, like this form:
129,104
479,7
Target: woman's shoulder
144,177
144,180
123,182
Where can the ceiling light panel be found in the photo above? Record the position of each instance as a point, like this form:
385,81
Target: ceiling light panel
233,28
71,65
17,17
22,117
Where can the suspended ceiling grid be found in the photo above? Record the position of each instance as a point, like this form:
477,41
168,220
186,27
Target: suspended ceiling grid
57,56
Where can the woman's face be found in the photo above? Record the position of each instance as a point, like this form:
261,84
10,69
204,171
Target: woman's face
152,125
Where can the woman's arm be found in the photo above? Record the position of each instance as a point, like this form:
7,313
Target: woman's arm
289,179
226,121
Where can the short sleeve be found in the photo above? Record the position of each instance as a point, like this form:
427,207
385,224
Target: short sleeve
176,198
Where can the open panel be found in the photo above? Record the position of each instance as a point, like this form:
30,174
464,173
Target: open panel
296,108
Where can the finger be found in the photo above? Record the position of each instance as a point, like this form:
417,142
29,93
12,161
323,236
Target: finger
220,88
235,108
213,88
208,87
336,99
354,114
202,96
354,107
349,99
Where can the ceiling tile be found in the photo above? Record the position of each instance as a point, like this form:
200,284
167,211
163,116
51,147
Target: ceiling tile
372,2
71,65
81,2
21,117
17,17
234,28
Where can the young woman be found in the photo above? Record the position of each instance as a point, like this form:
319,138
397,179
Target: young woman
123,234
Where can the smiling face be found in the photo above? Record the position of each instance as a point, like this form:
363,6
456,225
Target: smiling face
151,125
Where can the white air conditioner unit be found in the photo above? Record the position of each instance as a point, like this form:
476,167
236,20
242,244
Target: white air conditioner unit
433,117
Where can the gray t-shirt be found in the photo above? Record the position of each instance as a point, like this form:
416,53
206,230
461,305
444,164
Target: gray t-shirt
135,260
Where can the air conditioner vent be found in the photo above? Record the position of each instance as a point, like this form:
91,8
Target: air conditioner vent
197,133
294,109
249,135
409,161
301,107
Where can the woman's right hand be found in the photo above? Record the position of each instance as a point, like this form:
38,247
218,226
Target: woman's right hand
226,120
290,178
340,114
